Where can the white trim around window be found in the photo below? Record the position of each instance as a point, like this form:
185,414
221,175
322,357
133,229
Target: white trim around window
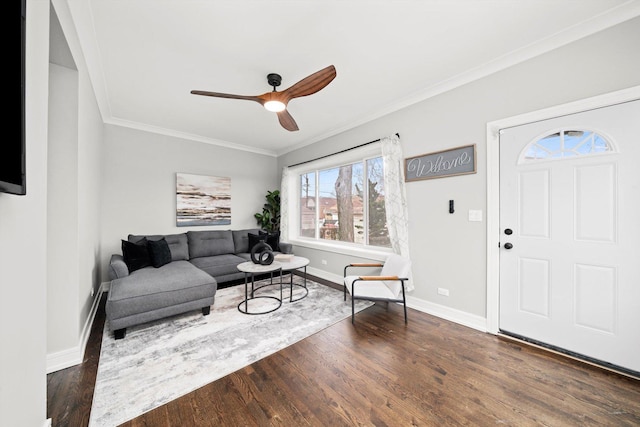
344,248
352,249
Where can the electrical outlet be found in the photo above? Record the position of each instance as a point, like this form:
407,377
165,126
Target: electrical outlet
324,262
443,291
475,215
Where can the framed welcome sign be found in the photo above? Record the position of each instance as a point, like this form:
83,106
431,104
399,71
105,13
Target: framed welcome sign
452,162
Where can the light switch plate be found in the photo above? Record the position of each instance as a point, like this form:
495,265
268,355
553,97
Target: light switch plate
475,215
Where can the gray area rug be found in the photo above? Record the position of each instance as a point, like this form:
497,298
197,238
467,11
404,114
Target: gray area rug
161,361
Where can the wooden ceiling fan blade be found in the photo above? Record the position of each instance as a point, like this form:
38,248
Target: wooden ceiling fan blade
228,95
311,84
287,121
274,101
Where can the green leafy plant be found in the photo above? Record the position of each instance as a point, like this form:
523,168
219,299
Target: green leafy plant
269,219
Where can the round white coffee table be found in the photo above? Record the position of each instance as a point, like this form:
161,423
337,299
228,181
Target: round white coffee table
251,269
294,264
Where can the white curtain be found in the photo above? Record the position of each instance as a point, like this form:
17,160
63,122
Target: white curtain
284,205
395,199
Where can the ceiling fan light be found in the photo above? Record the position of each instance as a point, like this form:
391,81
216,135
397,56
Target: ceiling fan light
275,106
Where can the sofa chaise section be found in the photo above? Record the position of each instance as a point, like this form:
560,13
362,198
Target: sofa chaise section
150,294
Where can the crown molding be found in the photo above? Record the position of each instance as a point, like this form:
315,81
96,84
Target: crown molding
188,136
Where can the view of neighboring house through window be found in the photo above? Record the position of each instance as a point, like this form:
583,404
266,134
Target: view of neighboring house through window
345,203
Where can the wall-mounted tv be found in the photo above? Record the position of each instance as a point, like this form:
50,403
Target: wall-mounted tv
12,150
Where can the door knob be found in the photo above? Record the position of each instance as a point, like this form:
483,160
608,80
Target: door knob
508,231
508,245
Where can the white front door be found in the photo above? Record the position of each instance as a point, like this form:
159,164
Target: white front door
570,233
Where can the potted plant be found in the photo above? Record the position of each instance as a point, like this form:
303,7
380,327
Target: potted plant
269,219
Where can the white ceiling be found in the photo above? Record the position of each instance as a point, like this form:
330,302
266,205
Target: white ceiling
145,56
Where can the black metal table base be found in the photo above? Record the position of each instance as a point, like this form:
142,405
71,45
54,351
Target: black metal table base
291,284
304,286
248,298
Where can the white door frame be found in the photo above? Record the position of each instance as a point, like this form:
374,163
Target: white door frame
493,182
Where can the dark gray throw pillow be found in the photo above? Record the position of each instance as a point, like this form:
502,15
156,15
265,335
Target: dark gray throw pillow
254,239
136,255
159,252
272,239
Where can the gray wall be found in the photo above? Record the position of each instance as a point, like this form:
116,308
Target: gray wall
27,225
139,183
23,256
447,250
62,210
74,149
73,210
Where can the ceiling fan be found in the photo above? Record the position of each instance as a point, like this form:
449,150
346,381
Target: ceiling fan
277,101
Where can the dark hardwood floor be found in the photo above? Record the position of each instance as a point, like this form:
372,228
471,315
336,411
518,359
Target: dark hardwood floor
381,372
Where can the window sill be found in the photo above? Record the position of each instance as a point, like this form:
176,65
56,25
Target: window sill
378,254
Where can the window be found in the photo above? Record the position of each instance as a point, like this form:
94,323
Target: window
565,144
344,203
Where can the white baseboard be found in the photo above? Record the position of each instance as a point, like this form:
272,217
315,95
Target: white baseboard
104,287
64,359
74,355
448,313
47,423
444,312
325,275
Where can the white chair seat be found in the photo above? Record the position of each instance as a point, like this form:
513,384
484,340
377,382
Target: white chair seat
373,288
395,271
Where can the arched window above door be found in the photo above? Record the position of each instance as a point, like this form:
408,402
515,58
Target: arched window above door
566,143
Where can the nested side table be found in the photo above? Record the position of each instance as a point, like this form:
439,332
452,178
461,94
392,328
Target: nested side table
296,263
251,269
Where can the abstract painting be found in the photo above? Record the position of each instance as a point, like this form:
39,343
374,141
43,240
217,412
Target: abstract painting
202,200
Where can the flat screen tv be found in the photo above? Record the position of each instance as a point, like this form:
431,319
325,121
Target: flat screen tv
12,150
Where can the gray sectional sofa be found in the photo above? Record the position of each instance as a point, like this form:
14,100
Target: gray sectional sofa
195,263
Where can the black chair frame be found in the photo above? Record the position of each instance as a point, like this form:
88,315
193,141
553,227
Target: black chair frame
403,301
